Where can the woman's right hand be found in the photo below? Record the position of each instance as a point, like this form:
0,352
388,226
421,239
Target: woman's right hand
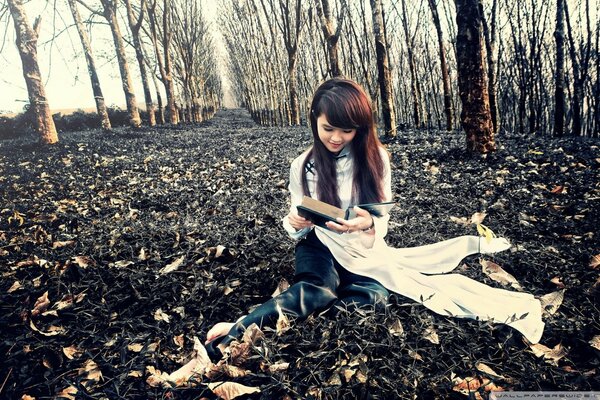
297,222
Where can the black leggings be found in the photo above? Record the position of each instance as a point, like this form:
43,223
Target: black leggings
320,282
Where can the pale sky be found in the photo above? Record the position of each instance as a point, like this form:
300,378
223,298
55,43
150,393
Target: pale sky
63,66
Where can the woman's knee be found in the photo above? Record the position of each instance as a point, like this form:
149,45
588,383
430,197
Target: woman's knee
365,294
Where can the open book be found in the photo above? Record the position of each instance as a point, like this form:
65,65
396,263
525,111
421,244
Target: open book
319,212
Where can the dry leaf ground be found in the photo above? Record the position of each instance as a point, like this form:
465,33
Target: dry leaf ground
207,199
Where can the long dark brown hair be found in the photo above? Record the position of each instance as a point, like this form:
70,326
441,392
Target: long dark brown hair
346,105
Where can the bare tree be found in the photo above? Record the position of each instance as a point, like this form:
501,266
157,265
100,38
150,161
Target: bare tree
135,23
332,35
165,65
443,66
27,37
475,116
490,45
559,91
418,113
91,64
110,13
385,80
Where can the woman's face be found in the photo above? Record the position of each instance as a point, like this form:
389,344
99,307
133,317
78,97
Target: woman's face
334,138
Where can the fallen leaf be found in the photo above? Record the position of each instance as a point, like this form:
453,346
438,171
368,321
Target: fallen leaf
41,305
231,390
481,367
415,355
90,373
27,397
15,286
83,261
135,374
485,232
135,347
552,301
159,315
595,342
282,286
552,356
178,340
557,280
172,266
278,367
121,263
396,328
495,272
431,335
558,189
59,244
461,221
595,261
478,218
156,378
71,352
68,393
283,323
197,366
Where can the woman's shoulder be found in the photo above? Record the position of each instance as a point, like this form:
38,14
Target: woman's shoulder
384,152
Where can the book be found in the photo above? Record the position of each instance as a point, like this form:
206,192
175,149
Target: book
319,212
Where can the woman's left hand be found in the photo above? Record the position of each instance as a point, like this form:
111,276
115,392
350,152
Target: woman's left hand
363,221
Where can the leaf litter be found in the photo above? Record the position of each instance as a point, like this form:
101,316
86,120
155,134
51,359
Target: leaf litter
135,203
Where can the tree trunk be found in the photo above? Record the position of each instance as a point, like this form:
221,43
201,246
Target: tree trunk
331,36
385,81
491,65
139,54
444,67
475,117
27,44
414,80
89,58
110,13
559,92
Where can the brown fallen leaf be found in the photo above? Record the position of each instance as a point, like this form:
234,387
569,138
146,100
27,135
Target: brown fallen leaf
283,323
552,301
71,352
282,286
495,272
558,189
135,374
431,335
41,305
179,341
396,328
90,373
478,217
84,261
68,393
595,342
59,244
14,287
231,390
595,261
52,331
551,355
27,397
557,280
172,266
461,221
135,347
415,355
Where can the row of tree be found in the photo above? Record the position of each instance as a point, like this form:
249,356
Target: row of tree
171,42
530,66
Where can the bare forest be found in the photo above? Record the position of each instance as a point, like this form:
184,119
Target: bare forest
129,228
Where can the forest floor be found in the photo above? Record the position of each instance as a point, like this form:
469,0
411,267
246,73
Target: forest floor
88,226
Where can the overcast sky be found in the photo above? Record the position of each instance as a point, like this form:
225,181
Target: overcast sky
63,66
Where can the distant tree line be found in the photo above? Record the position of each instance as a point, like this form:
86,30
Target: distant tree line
486,66
174,55
532,65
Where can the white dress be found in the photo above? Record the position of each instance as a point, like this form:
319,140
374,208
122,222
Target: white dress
419,273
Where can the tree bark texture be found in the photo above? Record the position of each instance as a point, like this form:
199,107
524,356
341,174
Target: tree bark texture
448,111
559,90
135,26
491,65
475,116
110,13
383,69
91,64
332,35
27,44
415,86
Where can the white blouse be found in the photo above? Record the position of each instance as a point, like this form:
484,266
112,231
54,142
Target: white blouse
419,273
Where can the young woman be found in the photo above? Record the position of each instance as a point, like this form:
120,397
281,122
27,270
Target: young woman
348,264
